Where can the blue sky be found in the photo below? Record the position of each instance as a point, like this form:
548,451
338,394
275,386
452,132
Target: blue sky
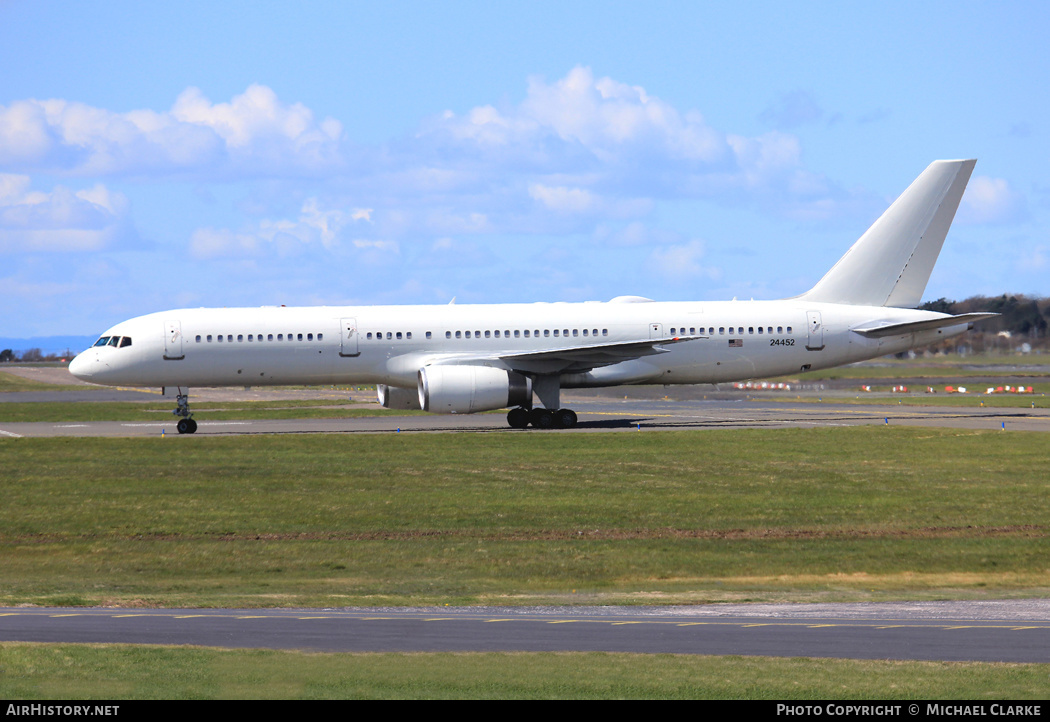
157,156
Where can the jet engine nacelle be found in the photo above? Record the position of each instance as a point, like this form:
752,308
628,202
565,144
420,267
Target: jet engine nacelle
467,389
394,397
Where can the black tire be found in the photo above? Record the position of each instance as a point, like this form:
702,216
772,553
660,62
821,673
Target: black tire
183,426
541,419
566,418
518,418
193,426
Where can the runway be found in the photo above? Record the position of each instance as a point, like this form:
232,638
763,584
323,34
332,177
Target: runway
595,414
946,631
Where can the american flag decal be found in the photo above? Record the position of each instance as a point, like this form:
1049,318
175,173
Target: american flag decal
736,343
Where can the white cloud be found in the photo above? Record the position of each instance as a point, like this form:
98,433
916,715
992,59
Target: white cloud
253,134
991,200
62,220
315,225
682,262
564,200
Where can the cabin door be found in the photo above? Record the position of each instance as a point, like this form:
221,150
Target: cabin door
816,332
348,338
173,340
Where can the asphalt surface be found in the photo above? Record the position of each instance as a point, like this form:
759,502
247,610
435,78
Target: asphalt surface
596,415
1004,631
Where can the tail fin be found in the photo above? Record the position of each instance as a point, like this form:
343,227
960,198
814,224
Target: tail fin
891,263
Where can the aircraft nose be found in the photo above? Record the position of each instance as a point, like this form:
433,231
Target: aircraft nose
83,365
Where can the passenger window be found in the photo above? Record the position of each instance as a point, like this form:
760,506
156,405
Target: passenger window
730,330
759,330
750,329
517,333
249,338
408,335
555,332
459,334
605,332
310,337
546,333
209,338
722,330
448,334
320,337
780,329
488,334
198,338
240,337
398,335
526,333
789,329
389,335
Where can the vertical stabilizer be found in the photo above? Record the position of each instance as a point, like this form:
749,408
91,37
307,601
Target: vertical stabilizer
891,263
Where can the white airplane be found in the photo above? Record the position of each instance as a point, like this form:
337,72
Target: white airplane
460,359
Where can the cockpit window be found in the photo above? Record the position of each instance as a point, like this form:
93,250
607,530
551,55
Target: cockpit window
102,341
114,340
126,341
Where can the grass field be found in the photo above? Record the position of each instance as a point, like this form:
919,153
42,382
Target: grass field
117,672
648,518
690,516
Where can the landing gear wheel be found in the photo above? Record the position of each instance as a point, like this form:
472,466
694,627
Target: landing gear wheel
541,419
565,418
518,418
183,426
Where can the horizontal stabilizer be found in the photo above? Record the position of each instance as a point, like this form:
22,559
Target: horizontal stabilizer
874,330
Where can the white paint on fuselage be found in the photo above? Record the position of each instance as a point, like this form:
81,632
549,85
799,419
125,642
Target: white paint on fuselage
396,361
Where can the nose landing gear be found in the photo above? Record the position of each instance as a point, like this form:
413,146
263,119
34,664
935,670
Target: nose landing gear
186,424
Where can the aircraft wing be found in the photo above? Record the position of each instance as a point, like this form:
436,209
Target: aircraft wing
876,329
578,358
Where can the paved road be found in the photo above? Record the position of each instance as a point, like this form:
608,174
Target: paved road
596,415
949,631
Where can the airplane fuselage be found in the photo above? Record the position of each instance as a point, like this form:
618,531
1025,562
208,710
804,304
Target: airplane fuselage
729,341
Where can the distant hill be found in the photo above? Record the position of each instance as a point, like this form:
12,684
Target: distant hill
48,345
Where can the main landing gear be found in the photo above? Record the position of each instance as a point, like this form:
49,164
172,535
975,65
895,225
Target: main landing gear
186,424
521,418
548,388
